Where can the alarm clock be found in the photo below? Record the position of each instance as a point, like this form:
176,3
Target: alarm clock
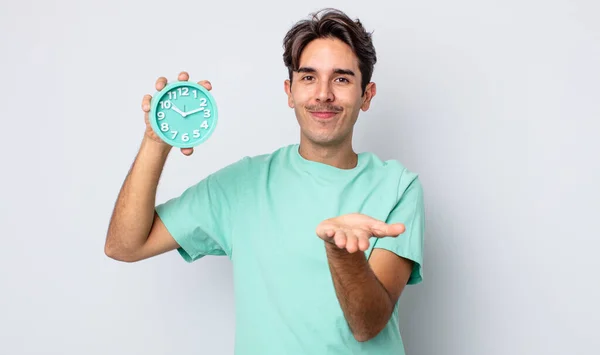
183,114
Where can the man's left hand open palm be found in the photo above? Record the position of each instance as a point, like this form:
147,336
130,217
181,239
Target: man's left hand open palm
352,231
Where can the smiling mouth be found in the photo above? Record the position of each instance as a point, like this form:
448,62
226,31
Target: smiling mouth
323,115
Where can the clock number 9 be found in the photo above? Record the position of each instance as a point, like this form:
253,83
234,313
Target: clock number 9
161,116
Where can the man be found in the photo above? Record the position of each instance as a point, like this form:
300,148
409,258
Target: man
322,239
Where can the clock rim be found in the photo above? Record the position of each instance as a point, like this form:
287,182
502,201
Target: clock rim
153,110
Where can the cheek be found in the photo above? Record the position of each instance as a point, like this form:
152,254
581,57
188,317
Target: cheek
300,98
347,97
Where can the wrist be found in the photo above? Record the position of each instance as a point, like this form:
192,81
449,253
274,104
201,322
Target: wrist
334,250
154,147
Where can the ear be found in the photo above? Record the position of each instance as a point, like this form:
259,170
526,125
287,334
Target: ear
370,92
288,90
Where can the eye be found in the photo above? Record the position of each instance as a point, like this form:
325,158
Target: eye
307,77
344,80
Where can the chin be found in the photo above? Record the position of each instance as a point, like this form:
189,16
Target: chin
322,133
324,140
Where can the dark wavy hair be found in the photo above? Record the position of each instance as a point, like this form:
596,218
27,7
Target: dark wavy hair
331,23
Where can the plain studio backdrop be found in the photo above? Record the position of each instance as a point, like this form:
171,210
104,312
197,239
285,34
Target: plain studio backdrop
496,104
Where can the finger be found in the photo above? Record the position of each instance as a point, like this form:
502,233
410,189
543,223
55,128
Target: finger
363,244
363,239
183,76
146,102
387,230
207,85
339,239
351,242
160,83
187,151
325,230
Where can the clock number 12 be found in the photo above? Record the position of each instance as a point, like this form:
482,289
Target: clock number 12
180,91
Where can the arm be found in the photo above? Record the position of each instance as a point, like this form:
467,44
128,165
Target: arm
367,290
135,232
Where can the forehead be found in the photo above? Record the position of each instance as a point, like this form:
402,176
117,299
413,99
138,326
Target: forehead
327,54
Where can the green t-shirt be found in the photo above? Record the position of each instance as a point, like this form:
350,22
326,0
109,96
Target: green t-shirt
262,212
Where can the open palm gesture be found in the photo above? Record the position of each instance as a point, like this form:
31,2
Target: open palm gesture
352,231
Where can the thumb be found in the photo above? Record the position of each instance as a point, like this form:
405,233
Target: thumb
387,230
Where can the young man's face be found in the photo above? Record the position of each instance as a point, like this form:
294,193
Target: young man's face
326,93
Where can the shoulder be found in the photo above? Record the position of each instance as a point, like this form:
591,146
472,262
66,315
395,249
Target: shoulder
249,165
259,161
394,171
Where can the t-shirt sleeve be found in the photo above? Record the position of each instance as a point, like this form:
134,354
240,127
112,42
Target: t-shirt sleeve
200,219
410,211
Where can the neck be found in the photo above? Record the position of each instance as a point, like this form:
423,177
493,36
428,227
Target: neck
341,156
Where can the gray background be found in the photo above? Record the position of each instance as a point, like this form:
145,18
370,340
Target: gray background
495,103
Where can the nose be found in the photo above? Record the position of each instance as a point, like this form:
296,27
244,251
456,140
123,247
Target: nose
324,92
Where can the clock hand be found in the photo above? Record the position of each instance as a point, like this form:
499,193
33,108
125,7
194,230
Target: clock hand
174,108
194,111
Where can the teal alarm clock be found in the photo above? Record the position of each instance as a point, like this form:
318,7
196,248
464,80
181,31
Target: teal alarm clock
183,114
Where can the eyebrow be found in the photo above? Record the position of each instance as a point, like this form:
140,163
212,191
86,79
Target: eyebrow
336,71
